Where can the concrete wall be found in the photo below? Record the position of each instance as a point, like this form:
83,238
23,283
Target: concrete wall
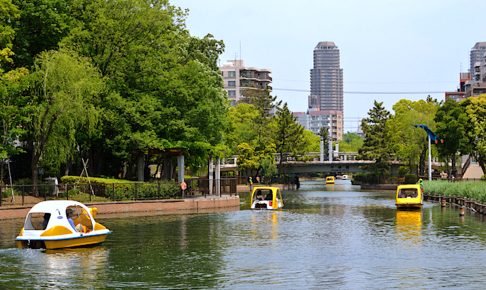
176,206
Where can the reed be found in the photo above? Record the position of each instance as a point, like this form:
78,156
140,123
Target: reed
468,189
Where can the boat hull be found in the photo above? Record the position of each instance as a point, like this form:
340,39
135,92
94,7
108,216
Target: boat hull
50,244
409,206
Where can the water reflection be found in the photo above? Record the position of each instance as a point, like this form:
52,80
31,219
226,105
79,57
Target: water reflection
264,222
345,239
409,226
60,269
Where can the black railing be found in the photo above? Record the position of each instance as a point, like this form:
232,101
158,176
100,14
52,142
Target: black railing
19,195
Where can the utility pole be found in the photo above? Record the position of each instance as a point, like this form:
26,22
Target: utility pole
431,137
330,145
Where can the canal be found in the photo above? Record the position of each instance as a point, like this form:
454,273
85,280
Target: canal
327,236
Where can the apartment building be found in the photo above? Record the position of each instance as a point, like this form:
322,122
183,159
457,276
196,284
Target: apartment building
238,78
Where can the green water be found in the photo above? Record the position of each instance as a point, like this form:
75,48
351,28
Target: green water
326,237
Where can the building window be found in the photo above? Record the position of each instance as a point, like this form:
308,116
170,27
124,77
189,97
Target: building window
231,74
231,83
231,93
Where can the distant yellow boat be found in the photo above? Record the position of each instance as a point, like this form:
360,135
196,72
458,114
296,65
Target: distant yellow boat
266,197
409,196
330,180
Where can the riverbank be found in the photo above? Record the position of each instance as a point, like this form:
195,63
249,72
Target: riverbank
465,194
378,186
475,190
150,207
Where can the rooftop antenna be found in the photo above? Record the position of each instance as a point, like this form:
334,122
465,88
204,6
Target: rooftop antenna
240,49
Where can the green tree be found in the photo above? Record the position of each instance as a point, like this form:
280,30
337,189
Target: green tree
289,135
167,91
312,141
451,122
241,126
41,26
476,127
9,13
11,83
408,142
351,142
376,140
324,136
265,103
62,88
263,145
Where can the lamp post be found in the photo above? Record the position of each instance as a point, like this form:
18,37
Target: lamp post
431,137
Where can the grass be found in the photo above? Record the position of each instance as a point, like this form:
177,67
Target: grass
469,189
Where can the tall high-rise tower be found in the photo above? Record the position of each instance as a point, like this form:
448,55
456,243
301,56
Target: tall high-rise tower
477,55
326,96
326,78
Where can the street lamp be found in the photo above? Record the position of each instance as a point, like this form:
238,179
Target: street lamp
432,137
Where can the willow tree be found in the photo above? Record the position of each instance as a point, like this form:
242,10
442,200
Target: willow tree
63,87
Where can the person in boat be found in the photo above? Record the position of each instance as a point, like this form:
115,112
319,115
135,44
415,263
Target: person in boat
259,195
70,214
297,182
421,182
46,220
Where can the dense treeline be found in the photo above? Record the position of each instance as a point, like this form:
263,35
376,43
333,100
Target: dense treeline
118,83
461,127
109,81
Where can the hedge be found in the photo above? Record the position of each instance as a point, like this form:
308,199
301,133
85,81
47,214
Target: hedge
118,189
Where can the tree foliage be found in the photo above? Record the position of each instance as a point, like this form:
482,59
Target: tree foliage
351,142
476,127
63,87
8,14
289,135
408,142
451,121
41,26
376,145
167,89
241,126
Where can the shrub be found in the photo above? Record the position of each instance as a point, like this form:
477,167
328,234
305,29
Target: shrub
118,189
402,171
410,179
366,178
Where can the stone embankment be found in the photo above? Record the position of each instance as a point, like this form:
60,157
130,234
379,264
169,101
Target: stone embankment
152,207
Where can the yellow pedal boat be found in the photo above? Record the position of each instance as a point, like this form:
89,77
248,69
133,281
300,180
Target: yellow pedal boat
57,224
266,197
330,180
409,196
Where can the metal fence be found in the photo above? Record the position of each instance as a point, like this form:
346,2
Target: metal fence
19,195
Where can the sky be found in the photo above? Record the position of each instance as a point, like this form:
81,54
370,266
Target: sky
394,46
